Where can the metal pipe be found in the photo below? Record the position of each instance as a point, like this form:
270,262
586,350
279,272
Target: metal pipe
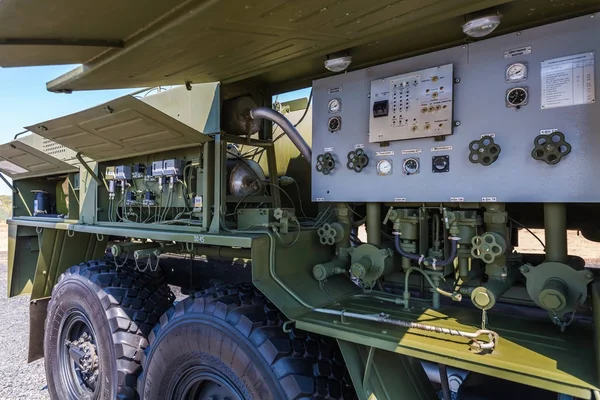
476,345
374,224
287,126
444,382
117,249
555,226
223,252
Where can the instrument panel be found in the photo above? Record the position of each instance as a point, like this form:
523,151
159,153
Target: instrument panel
509,119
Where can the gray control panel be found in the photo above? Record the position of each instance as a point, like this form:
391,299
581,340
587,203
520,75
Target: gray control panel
510,119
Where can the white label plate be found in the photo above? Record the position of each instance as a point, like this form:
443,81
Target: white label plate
568,81
411,151
441,148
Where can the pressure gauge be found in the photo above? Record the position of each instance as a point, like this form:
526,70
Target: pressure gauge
335,105
410,166
384,167
516,97
516,72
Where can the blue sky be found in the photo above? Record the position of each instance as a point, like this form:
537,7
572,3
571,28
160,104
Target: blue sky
25,101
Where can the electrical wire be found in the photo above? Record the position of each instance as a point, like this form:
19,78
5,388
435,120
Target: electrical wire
528,230
300,199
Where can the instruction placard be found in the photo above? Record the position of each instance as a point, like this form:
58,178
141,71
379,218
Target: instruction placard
568,81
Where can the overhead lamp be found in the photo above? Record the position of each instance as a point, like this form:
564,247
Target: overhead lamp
481,26
338,63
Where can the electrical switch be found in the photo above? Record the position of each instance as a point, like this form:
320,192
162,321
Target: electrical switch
380,109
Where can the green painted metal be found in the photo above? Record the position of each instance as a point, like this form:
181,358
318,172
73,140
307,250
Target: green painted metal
530,352
284,274
555,224
59,250
22,256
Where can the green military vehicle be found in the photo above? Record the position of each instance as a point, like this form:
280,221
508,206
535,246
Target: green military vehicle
358,242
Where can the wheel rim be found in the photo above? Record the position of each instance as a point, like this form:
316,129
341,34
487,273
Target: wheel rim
78,356
203,383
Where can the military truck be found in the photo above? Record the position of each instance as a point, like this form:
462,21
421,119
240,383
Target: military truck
201,239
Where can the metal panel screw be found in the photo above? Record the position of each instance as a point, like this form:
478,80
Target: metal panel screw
456,123
456,80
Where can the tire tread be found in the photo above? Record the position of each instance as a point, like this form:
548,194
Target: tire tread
308,366
133,302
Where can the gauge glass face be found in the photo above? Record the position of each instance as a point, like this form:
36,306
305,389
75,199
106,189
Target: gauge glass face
411,166
516,96
516,72
335,105
384,167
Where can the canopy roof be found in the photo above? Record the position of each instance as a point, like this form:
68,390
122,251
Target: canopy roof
279,43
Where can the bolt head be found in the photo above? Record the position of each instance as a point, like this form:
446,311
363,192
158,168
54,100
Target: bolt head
589,275
552,301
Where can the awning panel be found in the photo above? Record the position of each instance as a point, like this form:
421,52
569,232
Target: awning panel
19,161
120,128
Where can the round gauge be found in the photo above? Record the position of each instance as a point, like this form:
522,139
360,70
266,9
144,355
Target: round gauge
516,97
384,167
441,163
335,105
410,166
516,72
335,123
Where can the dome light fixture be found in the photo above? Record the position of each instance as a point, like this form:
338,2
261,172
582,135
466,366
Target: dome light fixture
338,62
481,26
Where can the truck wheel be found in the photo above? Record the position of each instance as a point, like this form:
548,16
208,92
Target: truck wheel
97,326
228,343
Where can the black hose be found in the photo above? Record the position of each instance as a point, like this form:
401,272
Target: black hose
429,260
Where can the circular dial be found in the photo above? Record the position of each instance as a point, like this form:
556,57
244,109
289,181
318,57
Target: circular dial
440,164
516,96
410,166
335,105
335,124
516,72
384,167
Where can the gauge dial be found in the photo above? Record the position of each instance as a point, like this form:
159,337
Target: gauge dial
516,72
335,105
516,97
384,167
411,166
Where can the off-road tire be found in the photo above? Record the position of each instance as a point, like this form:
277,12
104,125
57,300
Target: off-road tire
122,305
235,333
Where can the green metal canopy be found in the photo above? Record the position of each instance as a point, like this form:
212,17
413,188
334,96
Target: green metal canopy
280,43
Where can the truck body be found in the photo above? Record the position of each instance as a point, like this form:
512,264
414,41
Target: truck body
359,243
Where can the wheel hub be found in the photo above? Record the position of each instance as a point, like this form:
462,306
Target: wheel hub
85,358
80,363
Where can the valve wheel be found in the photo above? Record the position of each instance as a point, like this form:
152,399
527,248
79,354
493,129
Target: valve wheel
357,160
550,148
484,151
325,163
487,247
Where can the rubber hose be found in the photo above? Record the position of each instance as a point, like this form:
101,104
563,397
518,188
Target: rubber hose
430,260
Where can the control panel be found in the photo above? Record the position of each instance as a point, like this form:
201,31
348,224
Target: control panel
413,105
513,118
